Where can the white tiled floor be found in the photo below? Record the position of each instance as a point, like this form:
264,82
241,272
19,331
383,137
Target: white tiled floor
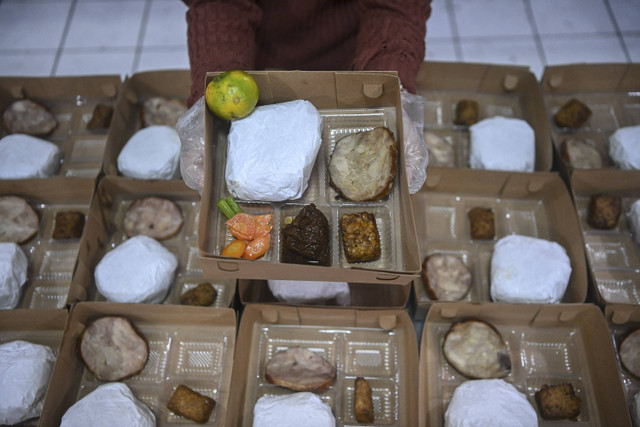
74,37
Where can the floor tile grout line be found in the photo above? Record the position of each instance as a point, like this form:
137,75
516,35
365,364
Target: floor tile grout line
613,19
455,34
141,34
63,39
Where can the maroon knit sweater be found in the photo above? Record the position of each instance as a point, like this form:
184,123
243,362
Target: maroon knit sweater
386,35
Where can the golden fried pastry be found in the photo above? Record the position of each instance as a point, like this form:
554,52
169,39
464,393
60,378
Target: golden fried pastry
558,402
360,237
202,295
362,402
466,112
191,404
604,211
572,114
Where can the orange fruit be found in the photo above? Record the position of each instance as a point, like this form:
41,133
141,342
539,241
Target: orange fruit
232,95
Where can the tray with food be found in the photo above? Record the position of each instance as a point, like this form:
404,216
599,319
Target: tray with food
41,225
609,213
484,116
55,126
155,364
29,343
594,114
497,236
542,365
623,321
315,180
144,142
347,367
141,247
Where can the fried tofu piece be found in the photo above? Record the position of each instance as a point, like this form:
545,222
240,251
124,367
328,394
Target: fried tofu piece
604,211
363,403
191,404
360,237
202,295
68,225
482,223
558,402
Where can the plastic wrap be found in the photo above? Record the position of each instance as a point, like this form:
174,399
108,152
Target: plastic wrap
190,127
416,155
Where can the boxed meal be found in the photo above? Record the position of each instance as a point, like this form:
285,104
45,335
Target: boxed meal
330,294
314,229
624,323
334,348
609,213
41,225
144,143
461,217
142,235
163,351
594,113
484,116
29,343
64,121
545,363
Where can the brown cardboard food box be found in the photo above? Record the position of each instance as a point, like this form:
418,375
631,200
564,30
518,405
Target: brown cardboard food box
378,345
171,84
613,256
193,346
51,261
348,102
548,344
609,90
533,204
38,326
499,90
359,295
105,231
72,101
623,319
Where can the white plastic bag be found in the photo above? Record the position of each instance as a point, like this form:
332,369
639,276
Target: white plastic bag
190,127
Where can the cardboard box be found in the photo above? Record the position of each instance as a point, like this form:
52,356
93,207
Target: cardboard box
193,346
51,261
363,295
173,84
548,344
378,345
613,256
72,101
621,320
533,204
610,91
499,90
105,231
44,327
347,101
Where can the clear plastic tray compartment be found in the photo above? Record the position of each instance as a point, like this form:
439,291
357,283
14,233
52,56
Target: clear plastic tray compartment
614,255
539,356
355,352
177,355
336,124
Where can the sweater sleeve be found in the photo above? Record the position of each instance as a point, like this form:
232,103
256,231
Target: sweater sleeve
220,37
391,37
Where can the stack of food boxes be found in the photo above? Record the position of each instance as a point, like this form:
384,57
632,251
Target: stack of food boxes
379,342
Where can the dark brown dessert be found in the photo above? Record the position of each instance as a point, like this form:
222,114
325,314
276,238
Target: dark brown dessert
572,115
466,112
604,211
306,239
482,223
68,225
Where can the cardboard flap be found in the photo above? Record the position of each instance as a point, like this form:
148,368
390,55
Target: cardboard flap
619,77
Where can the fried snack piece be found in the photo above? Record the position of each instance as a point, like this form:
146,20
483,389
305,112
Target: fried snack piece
29,117
300,369
466,112
191,404
202,295
629,353
360,237
101,117
558,402
18,221
112,349
68,225
155,217
476,349
572,114
482,223
159,110
604,211
446,277
362,402
580,155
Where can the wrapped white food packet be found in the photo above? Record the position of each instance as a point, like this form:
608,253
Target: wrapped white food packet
308,292
24,156
292,410
502,143
271,152
13,274
151,153
624,147
634,220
